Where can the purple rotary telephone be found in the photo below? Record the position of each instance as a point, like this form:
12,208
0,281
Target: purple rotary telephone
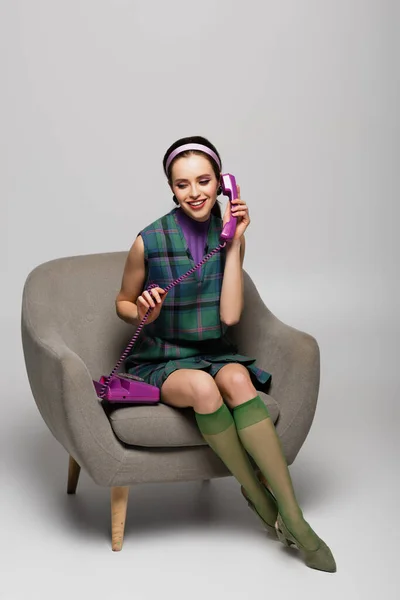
127,388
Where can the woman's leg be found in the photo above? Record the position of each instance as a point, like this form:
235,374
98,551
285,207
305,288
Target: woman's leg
196,388
257,434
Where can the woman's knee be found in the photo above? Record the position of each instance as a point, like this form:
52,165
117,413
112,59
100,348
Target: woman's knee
205,395
190,387
232,377
234,383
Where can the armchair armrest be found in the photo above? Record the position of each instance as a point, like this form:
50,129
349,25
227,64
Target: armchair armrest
64,393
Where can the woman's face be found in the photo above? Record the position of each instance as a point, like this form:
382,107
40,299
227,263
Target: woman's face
195,185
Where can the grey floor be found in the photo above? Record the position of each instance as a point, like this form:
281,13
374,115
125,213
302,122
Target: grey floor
196,540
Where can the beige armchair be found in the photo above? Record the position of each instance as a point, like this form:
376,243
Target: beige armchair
71,335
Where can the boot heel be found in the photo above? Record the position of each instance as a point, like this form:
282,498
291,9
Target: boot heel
282,537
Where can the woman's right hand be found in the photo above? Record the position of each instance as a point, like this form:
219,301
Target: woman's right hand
154,300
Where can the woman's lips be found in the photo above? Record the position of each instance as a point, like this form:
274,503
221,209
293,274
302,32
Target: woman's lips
194,207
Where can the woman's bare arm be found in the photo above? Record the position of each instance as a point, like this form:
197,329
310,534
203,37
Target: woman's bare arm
232,291
133,280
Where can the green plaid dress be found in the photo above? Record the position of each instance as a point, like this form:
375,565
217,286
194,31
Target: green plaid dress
188,334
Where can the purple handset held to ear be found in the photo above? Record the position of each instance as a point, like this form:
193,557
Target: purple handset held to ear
228,184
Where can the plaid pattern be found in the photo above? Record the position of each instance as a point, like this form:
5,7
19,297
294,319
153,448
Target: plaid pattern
188,332
190,312
157,373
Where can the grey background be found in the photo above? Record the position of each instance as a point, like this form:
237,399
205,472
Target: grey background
301,99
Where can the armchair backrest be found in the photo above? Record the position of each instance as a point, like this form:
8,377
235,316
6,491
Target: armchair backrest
74,298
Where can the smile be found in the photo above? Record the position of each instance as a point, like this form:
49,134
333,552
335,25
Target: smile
198,204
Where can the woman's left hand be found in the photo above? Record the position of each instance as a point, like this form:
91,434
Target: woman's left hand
240,210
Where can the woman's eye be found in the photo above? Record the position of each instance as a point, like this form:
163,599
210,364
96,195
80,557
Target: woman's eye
202,182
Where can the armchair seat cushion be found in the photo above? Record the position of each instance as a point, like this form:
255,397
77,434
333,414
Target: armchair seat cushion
161,425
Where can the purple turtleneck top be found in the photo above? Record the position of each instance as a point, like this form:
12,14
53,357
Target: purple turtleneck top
195,233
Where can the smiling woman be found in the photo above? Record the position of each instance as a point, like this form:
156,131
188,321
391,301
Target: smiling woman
185,350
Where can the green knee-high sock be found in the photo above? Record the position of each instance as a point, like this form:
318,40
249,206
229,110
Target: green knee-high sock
219,431
258,436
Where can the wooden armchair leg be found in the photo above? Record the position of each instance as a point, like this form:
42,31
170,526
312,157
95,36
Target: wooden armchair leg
119,504
73,475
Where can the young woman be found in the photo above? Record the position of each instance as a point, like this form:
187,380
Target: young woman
184,350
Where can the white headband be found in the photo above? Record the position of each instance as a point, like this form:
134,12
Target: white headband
185,147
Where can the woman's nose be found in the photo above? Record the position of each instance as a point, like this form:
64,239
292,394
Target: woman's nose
194,192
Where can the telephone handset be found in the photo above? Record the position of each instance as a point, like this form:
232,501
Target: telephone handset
228,185
128,388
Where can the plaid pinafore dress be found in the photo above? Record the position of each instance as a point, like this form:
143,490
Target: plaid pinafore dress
188,333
